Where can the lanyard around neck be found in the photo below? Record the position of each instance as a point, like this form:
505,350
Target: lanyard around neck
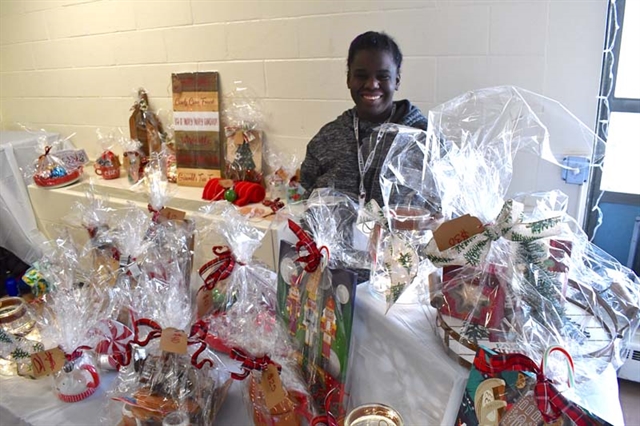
361,165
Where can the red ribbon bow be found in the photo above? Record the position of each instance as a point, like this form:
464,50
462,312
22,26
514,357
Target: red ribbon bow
314,254
196,337
550,402
155,213
77,353
223,265
250,363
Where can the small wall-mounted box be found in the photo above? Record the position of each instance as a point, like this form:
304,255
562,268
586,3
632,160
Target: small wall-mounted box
576,171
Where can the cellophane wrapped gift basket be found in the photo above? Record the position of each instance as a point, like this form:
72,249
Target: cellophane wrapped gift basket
238,303
243,126
516,274
316,294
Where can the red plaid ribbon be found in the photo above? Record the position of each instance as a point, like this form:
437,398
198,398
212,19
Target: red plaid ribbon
250,363
196,337
314,254
222,266
274,205
550,402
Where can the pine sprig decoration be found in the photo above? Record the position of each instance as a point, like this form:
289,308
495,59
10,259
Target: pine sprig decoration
404,259
19,353
473,255
462,246
474,332
520,238
4,337
396,291
542,225
439,259
546,302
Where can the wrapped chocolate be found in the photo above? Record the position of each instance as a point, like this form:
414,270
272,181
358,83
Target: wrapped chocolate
108,164
316,294
51,171
242,322
144,125
519,275
244,121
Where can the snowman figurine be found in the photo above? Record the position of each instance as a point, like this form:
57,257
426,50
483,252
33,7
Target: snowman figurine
76,381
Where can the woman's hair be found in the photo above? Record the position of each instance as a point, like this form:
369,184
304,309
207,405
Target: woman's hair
372,40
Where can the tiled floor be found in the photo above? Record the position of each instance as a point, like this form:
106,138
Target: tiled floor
630,400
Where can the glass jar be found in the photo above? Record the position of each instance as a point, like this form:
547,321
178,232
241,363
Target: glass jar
177,418
19,337
373,415
77,380
15,318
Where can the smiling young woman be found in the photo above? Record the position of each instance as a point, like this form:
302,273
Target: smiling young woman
373,76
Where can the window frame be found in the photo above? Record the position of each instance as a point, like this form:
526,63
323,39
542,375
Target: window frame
607,104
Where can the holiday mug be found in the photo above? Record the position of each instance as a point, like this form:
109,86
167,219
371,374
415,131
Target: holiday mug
107,166
107,172
77,380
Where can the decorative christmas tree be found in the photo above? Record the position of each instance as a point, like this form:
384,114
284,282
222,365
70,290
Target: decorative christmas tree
547,302
244,159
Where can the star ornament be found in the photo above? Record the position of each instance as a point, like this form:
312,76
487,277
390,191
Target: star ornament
467,297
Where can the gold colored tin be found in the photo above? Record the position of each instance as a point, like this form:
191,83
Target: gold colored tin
373,415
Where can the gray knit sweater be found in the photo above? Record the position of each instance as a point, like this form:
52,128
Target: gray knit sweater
332,154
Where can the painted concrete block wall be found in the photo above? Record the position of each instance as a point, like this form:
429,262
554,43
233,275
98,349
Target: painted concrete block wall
72,66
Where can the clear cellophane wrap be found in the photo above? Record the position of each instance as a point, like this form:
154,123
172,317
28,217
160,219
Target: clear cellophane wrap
49,170
243,124
148,240
522,276
157,380
282,181
77,303
398,229
241,318
97,218
108,162
316,292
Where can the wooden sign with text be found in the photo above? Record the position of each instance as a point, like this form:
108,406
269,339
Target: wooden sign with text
196,121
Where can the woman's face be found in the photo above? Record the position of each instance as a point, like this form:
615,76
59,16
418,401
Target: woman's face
373,78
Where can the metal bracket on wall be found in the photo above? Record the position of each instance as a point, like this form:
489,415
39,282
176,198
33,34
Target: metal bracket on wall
577,171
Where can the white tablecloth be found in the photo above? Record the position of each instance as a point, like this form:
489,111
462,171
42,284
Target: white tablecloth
18,229
397,359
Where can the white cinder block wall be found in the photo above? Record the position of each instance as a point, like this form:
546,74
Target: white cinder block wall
72,66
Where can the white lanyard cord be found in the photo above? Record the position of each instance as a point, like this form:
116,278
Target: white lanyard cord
361,164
